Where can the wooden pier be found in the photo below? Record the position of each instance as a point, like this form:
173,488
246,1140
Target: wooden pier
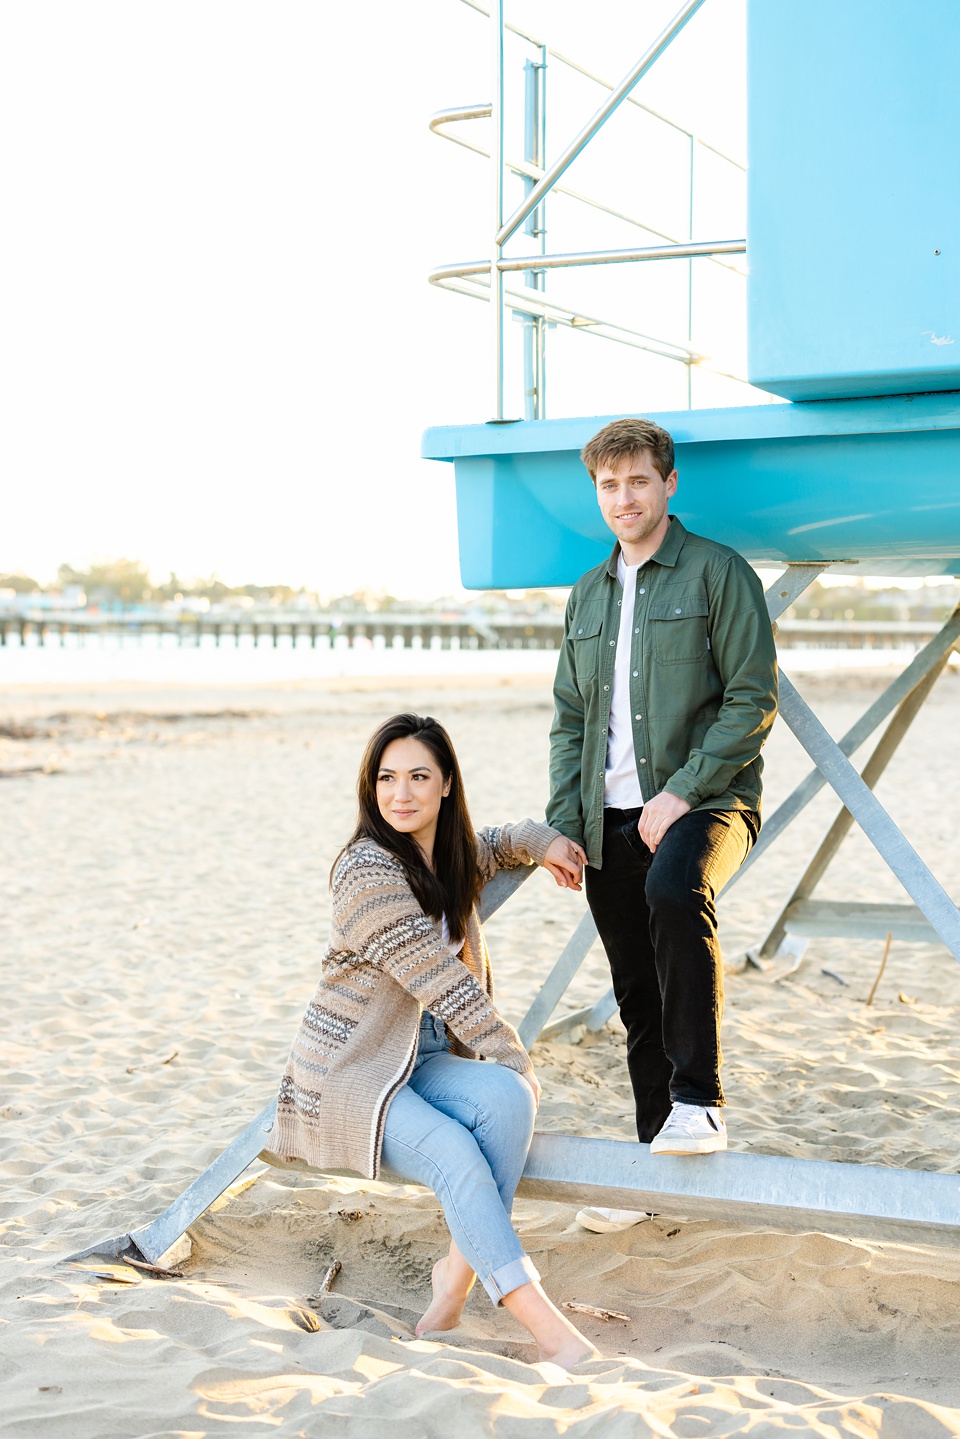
382,631
499,632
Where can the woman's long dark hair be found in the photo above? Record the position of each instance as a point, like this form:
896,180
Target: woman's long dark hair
453,886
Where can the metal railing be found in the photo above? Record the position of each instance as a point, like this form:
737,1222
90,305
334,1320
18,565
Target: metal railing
485,279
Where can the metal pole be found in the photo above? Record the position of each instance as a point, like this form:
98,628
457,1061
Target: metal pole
540,230
690,277
603,114
529,322
534,153
496,155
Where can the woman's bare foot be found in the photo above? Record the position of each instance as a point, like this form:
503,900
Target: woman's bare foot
575,1349
558,1340
447,1304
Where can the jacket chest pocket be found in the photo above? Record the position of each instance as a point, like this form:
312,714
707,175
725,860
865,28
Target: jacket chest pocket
585,636
678,624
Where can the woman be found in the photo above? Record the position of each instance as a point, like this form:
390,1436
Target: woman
385,1068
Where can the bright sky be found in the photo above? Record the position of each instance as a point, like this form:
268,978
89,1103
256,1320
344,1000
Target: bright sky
218,346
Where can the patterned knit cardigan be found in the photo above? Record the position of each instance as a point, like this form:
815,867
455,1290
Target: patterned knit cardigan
386,962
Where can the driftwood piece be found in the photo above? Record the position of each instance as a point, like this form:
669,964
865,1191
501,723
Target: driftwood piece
329,1277
152,1268
883,965
596,1313
323,1288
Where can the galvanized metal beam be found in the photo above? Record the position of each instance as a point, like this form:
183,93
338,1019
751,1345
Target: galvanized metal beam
746,1189
499,889
857,919
592,1018
558,980
790,586
153,1240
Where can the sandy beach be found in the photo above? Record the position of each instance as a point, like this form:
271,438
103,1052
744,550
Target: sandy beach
163,862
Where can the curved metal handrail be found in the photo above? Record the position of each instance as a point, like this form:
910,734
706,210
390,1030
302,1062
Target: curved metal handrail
538,305
690,250
528,171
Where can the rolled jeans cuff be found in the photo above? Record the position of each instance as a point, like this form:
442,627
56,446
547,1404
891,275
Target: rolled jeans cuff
508,1277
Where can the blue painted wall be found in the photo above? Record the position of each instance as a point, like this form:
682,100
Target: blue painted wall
854,291
853,188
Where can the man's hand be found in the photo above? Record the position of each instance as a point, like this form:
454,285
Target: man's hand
658,815
565,861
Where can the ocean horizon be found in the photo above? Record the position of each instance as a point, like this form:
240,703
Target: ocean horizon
159,659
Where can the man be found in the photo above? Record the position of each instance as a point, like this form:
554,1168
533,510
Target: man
665,692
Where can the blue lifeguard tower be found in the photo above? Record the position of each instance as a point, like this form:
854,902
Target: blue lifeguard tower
854,323
853,307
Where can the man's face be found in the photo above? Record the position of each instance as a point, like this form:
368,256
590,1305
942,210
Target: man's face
633,499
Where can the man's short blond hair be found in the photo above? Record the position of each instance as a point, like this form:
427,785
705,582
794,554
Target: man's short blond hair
625,440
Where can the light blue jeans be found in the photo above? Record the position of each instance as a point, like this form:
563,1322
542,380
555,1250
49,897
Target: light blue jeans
462,1128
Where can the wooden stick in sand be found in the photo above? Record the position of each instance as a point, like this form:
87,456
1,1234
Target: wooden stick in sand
328,1279
596,1313
883,965
152,1268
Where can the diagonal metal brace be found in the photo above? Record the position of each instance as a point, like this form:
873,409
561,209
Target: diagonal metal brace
558,980
872,770
916,671
891,845
153,1240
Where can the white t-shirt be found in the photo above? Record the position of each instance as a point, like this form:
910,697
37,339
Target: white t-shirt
445,932
621,788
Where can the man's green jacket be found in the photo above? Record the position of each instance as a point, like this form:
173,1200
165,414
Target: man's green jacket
703,690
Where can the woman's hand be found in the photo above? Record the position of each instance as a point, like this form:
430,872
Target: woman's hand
534,1084
565,861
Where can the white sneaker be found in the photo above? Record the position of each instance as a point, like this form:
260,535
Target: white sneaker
691,1129
611,1221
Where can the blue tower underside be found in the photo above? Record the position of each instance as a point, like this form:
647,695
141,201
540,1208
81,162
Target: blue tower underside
875,481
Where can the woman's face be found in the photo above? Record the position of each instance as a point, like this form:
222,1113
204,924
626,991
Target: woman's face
410,786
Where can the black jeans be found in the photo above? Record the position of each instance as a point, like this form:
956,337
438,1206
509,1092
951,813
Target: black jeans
657,918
